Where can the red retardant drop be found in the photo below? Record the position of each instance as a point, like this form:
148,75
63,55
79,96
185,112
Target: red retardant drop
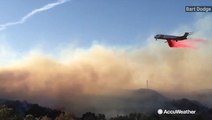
189,43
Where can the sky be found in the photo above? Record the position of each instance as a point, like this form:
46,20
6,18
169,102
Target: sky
61,49
83,22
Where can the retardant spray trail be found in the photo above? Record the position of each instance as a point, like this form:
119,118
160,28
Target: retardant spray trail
189,43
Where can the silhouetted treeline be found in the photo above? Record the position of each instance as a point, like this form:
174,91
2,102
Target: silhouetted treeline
39,113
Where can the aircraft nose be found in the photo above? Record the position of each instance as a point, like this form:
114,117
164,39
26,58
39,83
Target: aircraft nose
156,37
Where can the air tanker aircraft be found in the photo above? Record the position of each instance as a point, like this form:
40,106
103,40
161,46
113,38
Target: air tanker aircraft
172,39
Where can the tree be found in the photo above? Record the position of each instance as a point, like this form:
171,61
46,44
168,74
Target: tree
6,113
45,118
65,116
101,117
29,117
89,116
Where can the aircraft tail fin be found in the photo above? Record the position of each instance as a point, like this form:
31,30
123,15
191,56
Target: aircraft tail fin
186,34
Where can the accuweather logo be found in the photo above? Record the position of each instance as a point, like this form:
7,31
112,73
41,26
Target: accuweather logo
160,112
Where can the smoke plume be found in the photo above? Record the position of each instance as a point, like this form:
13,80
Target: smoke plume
99,70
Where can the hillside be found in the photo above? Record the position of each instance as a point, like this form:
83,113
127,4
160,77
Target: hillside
141,102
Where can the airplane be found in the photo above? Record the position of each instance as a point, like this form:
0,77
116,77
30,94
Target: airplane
171,37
